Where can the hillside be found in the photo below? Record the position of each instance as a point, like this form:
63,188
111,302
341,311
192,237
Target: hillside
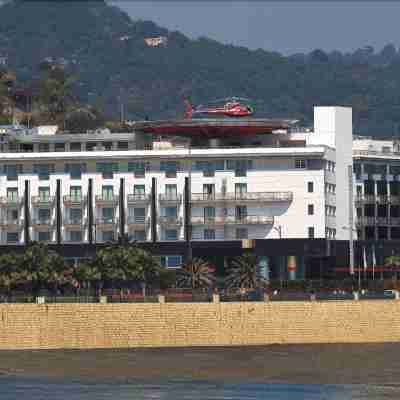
105,49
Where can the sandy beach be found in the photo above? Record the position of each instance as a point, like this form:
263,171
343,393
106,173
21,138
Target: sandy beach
377,364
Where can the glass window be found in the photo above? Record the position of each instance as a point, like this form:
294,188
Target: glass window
43,171
169,166
139,189
242,233
44,215
75,170
44,147
44,236
171,234
75,193
140,236
311,232
209,213
138,166
75,215
107,193
311,209
122,145
171,261
107,215
209,234
208,190
44,194
12,195
310,187
139,214
75,146
300,164
171,192
171,212
107,169
108,236
12,171
241,212
59,147
76,236
240,189
12,215
12,237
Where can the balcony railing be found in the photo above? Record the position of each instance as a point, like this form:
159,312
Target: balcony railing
170,221
73,222
13,224
245,196
170,198
73,200
106,199
234,220
11,201
42,200
138,198
132,220
42,223
106,222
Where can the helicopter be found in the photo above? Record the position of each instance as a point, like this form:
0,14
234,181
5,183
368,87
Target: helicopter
230,107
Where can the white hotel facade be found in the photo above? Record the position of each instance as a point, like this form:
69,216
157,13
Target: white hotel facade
93,188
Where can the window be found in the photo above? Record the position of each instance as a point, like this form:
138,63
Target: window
107,215
140,236
311,209
208,191
12,171
240,190
90,146
122,145
12,195
171,212
107,193
107,169
311,232
75,215
209,213
75,193
310,187
108,236
139,215
242,233
44,147
75,236
240,166
12,237
59,147
139,189
44,194
12,215
44,236
170,168
107,146
75,146
44,215
75,170
138,168
300,164
209,167
171,261
171,234
171,192
241,213
209,234
43,171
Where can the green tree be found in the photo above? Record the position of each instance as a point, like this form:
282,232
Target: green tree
393,262
195,274
244,272
9,274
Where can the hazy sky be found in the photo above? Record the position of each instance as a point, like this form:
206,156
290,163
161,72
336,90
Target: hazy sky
285,26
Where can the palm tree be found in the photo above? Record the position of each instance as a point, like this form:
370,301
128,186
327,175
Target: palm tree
393,262
196,273
8,271
244,272
87,275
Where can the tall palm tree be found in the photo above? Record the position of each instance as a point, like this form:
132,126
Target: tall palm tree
196,274
244,272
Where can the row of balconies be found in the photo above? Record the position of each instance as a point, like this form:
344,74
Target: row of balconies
132,221
373,221
381,199
199,198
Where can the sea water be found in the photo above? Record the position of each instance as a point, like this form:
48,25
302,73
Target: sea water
17,388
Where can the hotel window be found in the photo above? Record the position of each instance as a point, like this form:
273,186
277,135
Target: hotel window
139,191
107,169
240,213
209,234
171,192
138,168
75,170
44,236
171,212
240,190
122,145
171,234
44,147
242,233
75,215
12,195
240,166
43,171
311,209
12,215
108,236
170,168
171,261
310,187
12,237
107,193
44,216
75,193
44,194
75,146
139,215
75,236
300,163
208,191
140,236
107,215
12,171
209,214
311,232
59,147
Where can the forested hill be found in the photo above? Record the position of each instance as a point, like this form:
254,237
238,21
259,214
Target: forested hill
106,50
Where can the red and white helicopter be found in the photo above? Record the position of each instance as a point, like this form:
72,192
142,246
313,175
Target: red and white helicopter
232,107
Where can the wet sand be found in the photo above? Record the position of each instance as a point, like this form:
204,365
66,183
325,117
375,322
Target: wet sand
377,364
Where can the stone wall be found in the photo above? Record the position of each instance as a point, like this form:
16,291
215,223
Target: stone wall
55,326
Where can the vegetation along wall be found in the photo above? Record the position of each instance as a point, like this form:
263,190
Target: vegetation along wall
54,326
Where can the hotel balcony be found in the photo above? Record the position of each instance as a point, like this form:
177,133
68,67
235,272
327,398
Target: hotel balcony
43,224
40,201
109,200
73,223
12,224
246,197
170,221
170,198
233,220
77,201
11,201
106,223
140,198
137,222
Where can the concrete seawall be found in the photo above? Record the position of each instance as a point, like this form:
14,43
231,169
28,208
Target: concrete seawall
86,326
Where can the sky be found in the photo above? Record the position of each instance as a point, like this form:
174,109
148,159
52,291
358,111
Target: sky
287,26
